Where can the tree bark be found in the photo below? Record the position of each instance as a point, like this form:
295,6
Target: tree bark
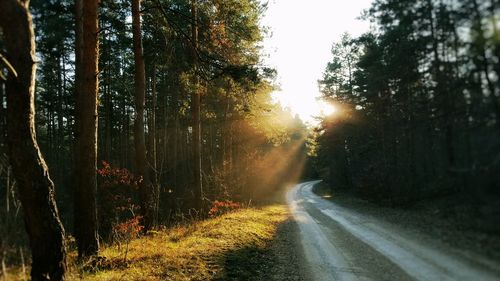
195,107
152,128
36,189
152,151
145,188
86,84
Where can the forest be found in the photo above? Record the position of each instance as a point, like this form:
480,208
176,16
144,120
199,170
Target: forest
418,105
144,112
126,120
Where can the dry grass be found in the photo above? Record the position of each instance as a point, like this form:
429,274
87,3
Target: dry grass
233,246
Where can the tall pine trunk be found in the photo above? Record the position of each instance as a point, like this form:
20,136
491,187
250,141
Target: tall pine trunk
36,189
152,151
195,107
145,188
86,87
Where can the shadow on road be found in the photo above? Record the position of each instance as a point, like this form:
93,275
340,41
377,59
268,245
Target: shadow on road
280,259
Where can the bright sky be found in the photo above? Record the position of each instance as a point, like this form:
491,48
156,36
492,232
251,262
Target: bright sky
302,34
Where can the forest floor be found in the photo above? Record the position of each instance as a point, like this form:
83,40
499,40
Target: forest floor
246,244
443,219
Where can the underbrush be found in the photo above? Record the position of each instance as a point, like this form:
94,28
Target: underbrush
233,245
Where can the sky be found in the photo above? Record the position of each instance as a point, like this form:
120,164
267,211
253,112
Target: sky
299,46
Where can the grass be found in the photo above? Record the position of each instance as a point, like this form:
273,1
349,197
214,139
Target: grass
232,246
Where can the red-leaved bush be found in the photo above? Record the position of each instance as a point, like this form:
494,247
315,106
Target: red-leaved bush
222,207
116,176
129,229
126,231
117,191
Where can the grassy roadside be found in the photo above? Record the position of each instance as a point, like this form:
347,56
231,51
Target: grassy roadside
235,246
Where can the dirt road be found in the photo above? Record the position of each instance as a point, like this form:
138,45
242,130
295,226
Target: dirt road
342,244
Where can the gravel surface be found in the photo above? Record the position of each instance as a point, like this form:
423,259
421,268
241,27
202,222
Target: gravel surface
429,220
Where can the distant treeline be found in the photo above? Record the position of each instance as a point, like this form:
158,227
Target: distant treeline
418,101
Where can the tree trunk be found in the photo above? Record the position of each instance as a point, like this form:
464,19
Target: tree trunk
3,124
484,64
86,85
152,148
36,189
195,107
175,159
108,105
441,89
145,188
152,127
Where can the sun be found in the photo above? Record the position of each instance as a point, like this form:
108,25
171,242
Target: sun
327,109
307,108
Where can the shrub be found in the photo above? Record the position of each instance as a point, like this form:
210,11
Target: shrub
221,207
117,198
127,230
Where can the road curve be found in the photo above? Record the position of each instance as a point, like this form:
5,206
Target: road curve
341,244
